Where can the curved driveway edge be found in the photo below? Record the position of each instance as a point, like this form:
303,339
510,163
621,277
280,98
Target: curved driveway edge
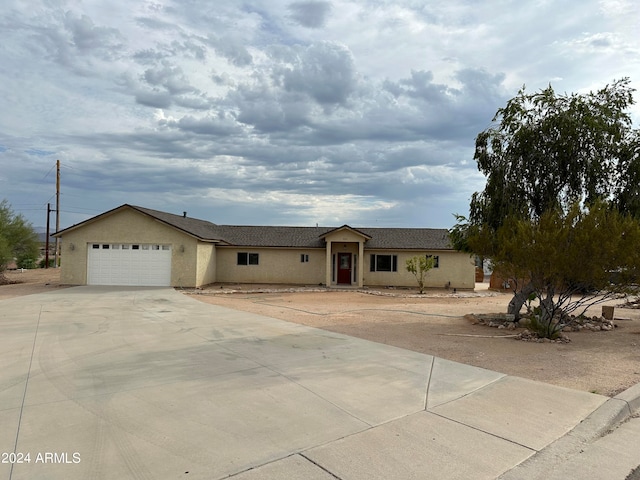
148,383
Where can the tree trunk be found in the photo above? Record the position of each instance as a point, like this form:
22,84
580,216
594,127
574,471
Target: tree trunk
516,303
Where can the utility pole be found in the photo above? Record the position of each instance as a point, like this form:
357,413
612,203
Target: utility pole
57,256
46,242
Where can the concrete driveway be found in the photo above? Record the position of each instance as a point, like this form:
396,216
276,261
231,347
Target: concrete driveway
144,383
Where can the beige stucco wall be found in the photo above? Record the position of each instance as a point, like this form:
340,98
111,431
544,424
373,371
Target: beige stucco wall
276,265
456,269
344,236
206,273
128,226
284,266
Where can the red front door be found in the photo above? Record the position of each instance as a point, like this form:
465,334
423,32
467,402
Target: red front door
344,268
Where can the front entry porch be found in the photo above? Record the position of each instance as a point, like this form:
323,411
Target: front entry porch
345,257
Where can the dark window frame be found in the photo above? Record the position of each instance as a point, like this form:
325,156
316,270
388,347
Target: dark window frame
378,263
247,258
436,259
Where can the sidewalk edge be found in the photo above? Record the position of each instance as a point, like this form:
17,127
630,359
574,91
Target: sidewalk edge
598,424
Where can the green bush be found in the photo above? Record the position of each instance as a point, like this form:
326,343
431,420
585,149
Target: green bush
26,262
52,263
543,329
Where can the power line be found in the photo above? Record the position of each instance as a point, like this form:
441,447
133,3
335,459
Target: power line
54,166
89,210
48,199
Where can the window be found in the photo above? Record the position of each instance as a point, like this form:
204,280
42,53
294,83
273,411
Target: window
125,247
95,246
245,258
384,263
115,246
436,260
105,247
145,247
135,247
304,258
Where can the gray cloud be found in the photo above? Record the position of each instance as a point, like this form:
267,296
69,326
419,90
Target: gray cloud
170,77
76,42
86,37
310,14
323,71
154,99
214,126
232,48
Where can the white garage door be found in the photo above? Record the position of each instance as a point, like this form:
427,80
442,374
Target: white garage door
129,264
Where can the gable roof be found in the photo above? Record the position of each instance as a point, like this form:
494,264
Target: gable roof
292,237
200,229
348,228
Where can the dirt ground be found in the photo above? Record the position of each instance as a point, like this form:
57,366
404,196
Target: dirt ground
39,280
601,362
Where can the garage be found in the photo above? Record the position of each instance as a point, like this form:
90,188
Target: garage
132,264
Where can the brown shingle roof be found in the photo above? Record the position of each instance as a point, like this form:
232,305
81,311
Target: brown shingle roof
408,238
198,228
293,237
264,236
310,237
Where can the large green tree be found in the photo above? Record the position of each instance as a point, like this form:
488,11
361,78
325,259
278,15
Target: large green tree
547,151
544,156
18,239
567,261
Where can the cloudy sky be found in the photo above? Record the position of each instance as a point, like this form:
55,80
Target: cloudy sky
280,112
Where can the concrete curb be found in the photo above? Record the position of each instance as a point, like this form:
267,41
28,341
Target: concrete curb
601,422
632,397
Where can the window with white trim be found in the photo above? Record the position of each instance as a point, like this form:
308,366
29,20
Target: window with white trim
436,260
304,258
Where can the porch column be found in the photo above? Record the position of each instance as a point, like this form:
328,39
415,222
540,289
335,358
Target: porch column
360,264
328,265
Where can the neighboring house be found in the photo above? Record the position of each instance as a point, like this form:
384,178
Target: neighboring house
132,245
